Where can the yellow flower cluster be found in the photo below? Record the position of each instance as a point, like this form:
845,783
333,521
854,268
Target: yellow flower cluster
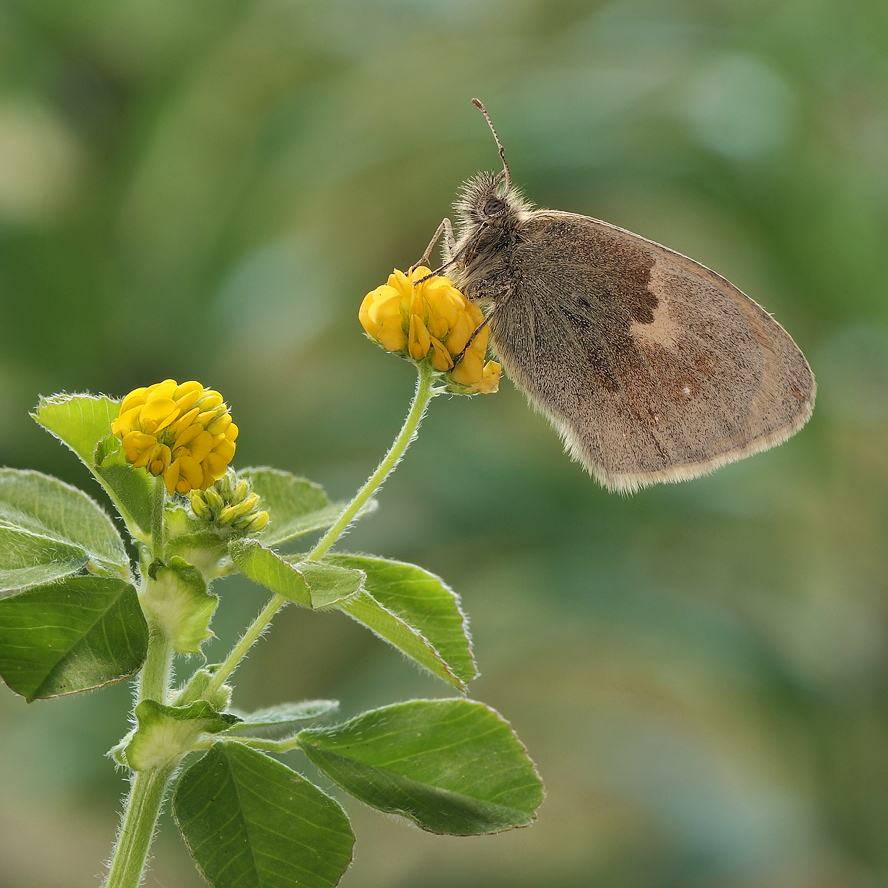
431,320
182,432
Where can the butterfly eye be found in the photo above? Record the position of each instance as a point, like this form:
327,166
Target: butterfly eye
494,206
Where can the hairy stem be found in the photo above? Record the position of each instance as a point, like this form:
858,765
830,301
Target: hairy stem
141,811
424,393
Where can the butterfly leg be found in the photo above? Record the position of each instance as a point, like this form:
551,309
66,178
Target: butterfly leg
445,228
471,339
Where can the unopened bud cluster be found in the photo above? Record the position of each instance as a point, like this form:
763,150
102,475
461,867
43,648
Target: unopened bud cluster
231,504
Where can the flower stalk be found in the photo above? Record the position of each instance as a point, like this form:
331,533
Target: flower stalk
425,391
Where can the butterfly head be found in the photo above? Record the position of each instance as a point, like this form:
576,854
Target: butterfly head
489,200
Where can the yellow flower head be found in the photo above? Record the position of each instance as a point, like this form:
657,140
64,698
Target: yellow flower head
183,432
431,321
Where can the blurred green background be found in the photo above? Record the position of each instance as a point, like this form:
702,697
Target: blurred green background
207,190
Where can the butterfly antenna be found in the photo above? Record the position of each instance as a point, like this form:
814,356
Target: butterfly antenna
502,151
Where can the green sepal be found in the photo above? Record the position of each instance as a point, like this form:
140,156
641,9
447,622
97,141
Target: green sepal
74,635
175,600
413,610
310,584
295,506
165,733
252,822
83,423
282,718
49,530
453,767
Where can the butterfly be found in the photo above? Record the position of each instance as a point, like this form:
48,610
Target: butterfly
651,367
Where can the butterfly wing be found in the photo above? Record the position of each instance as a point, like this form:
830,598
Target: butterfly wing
652,367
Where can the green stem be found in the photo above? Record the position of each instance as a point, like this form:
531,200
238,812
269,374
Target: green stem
147,788
154,681
247,640
424,393
421,398
141,811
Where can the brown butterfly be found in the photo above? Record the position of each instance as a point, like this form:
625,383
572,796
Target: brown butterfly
651,366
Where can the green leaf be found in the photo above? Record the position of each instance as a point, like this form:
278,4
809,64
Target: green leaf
81,633
251,822
283,717
269,569
328,584
176,598
80,421
49,529
164,733
83,423
451,766
30,559
130,489
295,506
415,611
308,583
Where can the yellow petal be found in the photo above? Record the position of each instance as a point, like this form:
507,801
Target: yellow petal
460,333
186,394
138,440
183,422
224,448
490,379
210,400
136,398
400,282
469,370
205,417
187,435
219,424
215,466
161,391
419,340
157,414
191,470
391,335
418,305
445,306
202,445
143,458
171,476
441,360
128,419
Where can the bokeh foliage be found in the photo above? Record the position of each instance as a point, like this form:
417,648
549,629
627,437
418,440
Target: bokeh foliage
207,190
